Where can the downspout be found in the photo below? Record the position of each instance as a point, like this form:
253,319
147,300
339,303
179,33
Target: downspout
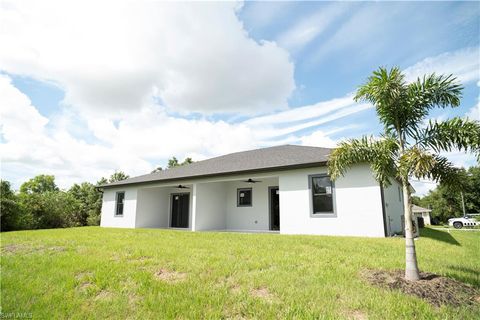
384,212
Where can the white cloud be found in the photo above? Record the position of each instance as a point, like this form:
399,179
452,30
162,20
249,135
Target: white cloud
29,148
318,139
111,56
463,64
422,187
474,112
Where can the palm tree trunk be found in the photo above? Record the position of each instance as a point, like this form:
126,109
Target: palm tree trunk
411,267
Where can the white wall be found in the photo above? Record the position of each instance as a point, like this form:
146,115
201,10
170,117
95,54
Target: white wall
256,217
108,218
393,197
211,206
357,200
153,208
426,218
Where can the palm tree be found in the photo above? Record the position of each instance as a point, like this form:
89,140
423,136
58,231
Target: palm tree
409,147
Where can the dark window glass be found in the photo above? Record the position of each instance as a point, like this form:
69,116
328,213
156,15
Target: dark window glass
119,205
322,195
244,197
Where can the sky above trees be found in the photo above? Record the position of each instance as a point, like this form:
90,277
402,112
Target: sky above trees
89,88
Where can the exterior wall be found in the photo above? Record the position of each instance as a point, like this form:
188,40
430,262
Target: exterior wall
213,204
426,218
210,206
357,199
393,197
153,208
108,218
256,217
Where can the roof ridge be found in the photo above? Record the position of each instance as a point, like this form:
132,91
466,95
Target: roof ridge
281,156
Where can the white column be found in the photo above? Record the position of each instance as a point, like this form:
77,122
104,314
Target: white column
194,206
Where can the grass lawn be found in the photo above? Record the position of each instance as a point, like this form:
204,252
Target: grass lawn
93,272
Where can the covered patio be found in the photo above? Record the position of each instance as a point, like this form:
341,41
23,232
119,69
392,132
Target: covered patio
240,204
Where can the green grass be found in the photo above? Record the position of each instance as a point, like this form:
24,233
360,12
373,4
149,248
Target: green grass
94,272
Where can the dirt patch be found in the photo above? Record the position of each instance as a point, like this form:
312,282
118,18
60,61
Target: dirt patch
263,293
433,288
27,249
170,276
143,258
356,315
13,248
104,295
56,249
84,286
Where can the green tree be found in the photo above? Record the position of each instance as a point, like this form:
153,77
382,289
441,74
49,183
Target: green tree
102,181
10,214
118,176
445,200
173,162
39,184
51,209
90,203
157,169
406,147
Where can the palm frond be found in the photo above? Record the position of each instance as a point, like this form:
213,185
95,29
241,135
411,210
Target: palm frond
456,133
429,92
387,91
424,165
379,153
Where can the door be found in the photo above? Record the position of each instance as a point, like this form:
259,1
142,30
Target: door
180,208
274,208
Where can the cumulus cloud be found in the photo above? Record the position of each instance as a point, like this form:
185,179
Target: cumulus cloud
29,147
463,64
318,139
108,56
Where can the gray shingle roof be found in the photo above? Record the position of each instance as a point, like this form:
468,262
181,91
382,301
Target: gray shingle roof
280,157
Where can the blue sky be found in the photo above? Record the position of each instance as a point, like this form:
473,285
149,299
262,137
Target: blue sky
135,84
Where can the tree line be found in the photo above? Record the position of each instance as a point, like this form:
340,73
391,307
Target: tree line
40,204
445,201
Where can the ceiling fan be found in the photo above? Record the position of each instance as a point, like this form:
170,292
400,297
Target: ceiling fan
251,181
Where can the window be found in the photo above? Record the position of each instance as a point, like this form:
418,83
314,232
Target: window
119,203
244,197
400,194
322,194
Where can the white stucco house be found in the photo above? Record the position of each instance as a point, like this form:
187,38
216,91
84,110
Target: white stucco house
423,213
283,189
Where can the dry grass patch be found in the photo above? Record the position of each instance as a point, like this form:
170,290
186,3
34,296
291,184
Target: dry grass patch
13,248
84,286
27,249
356,315
264,294
170,276
433,288
104,295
